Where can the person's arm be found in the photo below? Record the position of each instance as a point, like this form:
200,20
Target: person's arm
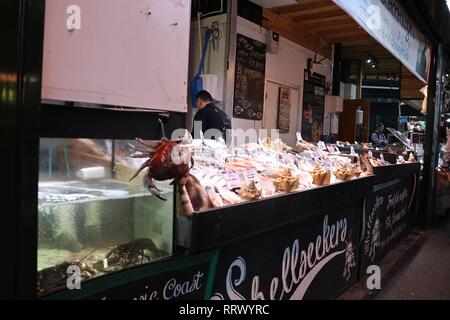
384,140
375,139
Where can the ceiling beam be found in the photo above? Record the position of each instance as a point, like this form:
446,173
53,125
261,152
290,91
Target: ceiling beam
338,30
294,32
333,19
311,11
342,37
339,25
301,6
319,15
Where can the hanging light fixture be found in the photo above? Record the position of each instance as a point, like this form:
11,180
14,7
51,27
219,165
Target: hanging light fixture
371,61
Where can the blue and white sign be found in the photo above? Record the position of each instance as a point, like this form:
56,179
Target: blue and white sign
389,23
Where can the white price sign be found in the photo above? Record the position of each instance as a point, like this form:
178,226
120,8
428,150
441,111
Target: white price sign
233,181
326,163
322,146
251,176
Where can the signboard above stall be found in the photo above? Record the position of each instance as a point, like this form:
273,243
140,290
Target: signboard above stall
389,24
105,52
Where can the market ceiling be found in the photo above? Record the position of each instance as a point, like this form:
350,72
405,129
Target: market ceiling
312,23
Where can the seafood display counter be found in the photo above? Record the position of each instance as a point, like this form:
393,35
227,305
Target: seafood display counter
258,221
217,227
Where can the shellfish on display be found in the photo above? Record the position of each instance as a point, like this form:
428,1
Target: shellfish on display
168,159
320,176
344,173
286,182
250,192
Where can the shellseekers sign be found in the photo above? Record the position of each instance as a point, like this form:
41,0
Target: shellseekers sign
289,272
389,23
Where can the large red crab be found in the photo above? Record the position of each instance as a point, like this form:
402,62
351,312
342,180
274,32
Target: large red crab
168,159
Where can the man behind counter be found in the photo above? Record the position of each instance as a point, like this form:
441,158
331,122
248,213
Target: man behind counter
210,116
378,138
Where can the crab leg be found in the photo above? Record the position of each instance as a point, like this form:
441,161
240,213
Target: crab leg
144,165
141,149
152,188
138,155
151,145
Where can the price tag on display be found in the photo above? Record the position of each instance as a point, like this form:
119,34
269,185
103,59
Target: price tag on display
370,154
233,181
251,176
331,149
322,146
326,163
299,137
352,151
316,155
381,157
337,150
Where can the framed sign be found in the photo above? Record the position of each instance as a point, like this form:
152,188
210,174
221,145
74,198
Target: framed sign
313,106
284,109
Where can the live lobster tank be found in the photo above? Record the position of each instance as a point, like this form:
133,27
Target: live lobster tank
91,216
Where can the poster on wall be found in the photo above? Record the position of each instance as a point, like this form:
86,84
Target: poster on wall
313,106
249,79
390,24
284,109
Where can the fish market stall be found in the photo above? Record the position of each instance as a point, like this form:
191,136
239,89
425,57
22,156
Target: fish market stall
242,216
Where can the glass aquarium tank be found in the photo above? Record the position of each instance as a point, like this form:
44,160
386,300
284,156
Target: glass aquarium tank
91,217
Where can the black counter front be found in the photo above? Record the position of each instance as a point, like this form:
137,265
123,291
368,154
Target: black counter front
390,210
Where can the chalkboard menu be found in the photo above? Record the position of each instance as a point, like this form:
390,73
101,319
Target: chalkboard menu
249,78
313,107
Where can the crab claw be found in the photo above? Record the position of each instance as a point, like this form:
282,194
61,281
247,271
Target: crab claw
152,188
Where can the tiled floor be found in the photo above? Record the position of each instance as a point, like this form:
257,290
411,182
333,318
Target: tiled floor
427,275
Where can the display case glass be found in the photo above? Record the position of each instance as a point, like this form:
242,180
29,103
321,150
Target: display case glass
92,220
